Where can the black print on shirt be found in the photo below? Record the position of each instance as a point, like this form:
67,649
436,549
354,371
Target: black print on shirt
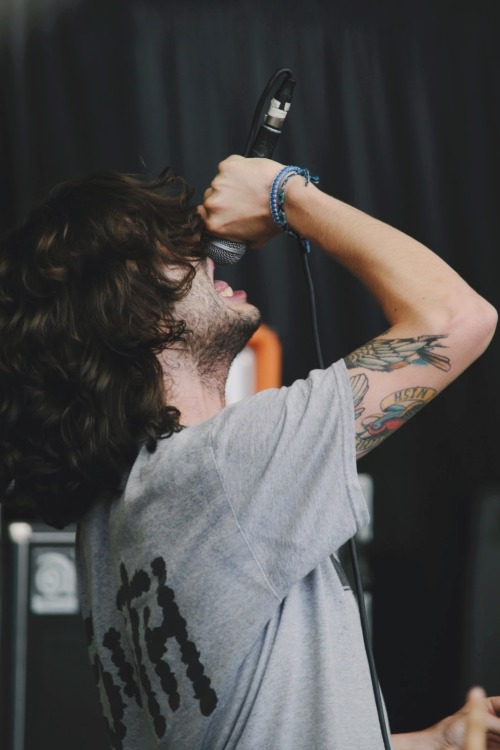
150,649
116,728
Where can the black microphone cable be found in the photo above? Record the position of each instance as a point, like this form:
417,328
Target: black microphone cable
261,143
357,583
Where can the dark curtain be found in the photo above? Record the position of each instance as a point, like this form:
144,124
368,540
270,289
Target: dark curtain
397,109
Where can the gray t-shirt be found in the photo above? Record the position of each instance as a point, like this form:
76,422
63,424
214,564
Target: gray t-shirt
214,615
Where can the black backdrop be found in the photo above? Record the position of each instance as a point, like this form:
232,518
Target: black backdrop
397,108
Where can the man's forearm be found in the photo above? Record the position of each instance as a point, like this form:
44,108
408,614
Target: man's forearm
408,279
418,292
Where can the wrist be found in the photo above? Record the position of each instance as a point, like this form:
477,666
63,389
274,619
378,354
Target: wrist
279,198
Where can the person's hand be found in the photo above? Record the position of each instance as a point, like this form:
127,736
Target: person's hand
236,205
476,726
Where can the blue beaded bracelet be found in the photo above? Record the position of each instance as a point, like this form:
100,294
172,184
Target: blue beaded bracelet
277,200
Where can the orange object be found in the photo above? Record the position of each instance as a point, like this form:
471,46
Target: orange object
267,348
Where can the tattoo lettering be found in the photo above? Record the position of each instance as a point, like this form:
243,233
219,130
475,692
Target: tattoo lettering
385,355
396,409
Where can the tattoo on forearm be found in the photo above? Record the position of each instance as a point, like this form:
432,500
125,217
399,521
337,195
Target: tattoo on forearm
359,386
396,409
386,355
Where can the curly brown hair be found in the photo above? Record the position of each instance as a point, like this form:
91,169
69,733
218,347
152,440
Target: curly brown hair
86,306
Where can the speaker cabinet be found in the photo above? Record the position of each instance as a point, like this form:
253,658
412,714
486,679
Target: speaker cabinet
48,696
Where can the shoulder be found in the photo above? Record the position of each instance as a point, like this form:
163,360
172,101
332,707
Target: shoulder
277,421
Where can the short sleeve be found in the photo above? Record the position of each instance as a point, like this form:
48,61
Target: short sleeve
286,459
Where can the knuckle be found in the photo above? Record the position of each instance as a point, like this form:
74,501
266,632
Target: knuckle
213,225
212,203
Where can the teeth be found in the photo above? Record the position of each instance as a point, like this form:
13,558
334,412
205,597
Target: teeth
228,292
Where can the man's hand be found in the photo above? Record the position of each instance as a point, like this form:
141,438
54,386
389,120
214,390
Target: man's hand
236,205
475,727
464,730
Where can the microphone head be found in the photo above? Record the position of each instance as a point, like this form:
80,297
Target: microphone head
225,252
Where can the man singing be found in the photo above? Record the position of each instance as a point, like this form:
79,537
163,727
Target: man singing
214,615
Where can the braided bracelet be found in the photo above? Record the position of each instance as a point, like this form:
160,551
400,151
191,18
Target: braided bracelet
277,200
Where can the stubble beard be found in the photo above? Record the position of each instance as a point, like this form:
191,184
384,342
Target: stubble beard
214,347
215,333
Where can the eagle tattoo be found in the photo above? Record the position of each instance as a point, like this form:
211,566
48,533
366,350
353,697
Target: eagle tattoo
385,355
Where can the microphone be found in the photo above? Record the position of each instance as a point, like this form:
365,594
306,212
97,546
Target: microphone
225,252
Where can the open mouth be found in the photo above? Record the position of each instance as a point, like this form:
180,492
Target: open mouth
222,288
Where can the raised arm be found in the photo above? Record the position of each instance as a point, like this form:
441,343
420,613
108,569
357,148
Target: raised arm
438,324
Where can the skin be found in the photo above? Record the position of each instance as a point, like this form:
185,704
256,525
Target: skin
473,727
438,327
195,374
423,299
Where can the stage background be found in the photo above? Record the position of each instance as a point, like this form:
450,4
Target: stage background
397,108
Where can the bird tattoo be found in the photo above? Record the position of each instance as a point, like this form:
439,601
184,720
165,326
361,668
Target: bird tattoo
385,355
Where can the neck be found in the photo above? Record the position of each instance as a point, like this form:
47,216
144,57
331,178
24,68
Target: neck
197,397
